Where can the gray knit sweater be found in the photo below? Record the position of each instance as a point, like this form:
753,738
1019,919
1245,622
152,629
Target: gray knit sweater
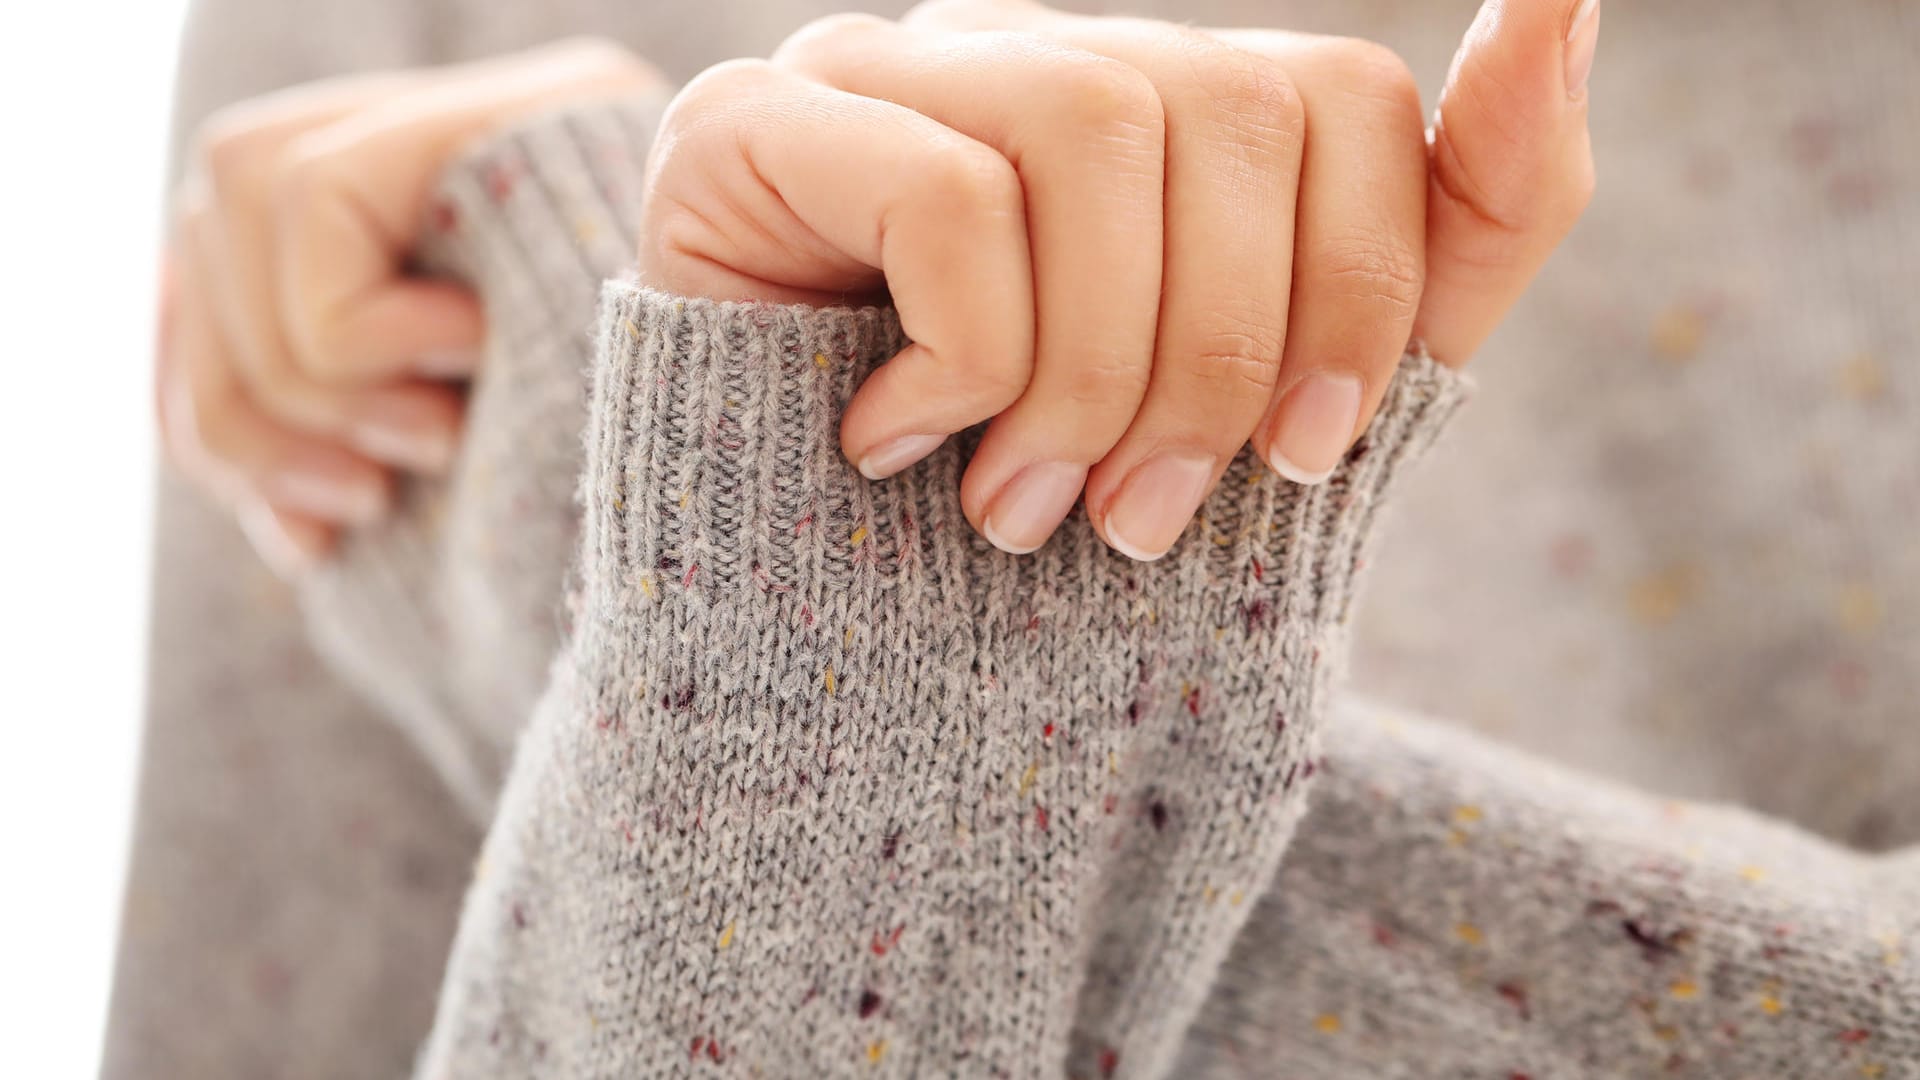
783,773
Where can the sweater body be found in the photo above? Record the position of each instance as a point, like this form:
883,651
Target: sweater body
1680,518
1669,546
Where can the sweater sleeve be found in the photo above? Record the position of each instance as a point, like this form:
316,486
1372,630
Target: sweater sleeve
447,614
824,782
821,784
1453,908
316,771
296,867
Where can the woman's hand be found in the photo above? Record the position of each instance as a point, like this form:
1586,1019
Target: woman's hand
1133,245
300,364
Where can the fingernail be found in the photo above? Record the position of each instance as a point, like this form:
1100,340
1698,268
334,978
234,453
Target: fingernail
326,494
1155,504
1032,505
449,364
1314,426
1582,35
889,458
426,450
284,555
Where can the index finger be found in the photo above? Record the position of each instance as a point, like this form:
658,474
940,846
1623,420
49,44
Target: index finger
352,194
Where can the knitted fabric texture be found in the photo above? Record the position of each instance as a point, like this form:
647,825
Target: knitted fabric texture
1454,909
446,615
827,781
1672,547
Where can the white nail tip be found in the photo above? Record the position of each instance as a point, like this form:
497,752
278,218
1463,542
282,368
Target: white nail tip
1295,473
1119,544
994,538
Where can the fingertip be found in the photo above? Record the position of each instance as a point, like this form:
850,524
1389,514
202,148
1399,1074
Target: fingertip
896,454
1314,424
1133,551
428,451
1156,501
1024,514
908,406
330,485
292,544
414,427
431,328
1288,470
456,362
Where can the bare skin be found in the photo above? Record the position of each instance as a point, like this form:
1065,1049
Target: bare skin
1134,247
300,366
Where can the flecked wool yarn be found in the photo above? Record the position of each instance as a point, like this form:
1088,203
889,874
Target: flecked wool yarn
1669,550
863,788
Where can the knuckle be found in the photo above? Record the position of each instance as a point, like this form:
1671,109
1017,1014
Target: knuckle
1103,97
1515,195
674,236
1238,357
1372,68
825,32
1378,82
1493,207
1256,90
1000,379
232,149
212,428
677,121
1493,162
314,360
307,185
986,380
1381,270
973,181
279,389
300,177
726,81
1249,97
1106,384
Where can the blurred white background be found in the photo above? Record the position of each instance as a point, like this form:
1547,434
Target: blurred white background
84,91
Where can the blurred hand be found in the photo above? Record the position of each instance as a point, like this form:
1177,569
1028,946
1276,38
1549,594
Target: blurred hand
299,363
1135,246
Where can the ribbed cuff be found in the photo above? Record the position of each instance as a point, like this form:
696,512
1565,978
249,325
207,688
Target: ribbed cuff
1135,739
539,214
445,614
714,464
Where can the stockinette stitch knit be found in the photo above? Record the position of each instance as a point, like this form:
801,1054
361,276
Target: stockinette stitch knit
1447,907
823,783
824,779
445,614
812,743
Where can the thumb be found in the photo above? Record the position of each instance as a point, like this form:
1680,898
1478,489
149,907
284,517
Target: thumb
1511,167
